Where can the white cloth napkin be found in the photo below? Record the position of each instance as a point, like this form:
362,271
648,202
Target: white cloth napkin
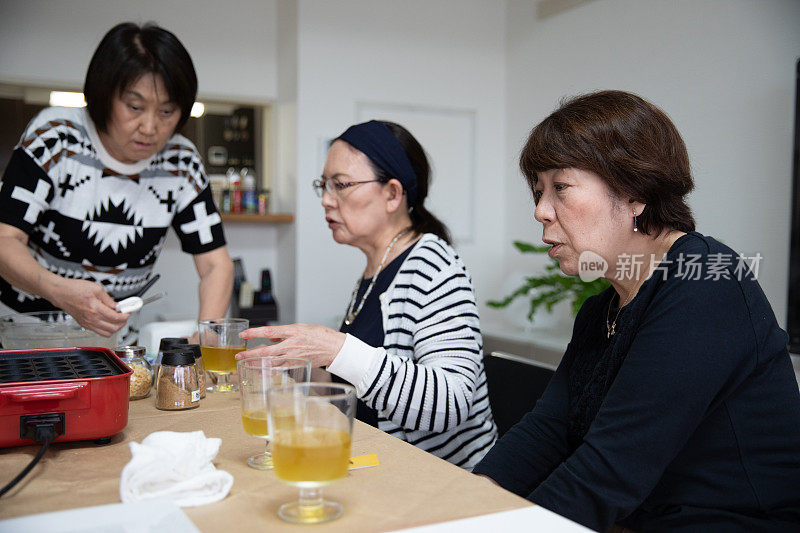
175,466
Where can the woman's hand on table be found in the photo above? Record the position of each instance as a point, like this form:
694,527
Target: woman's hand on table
316,343
89,304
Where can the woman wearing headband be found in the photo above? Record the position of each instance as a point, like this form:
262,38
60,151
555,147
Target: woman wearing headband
410,341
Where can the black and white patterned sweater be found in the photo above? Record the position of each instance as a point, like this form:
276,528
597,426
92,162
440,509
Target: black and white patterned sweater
89,216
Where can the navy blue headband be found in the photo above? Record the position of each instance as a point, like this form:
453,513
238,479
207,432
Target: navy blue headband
375,140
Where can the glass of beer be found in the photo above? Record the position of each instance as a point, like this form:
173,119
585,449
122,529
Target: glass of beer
219,344
312,427
256,377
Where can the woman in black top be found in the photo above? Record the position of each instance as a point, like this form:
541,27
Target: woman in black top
367,325
675,407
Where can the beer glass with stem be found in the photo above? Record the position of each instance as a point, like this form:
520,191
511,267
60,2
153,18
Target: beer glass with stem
312,427
256,376
219,344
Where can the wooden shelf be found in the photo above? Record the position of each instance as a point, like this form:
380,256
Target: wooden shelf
276,218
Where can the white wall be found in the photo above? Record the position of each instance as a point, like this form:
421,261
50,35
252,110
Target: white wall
234,48
434,55
284,187
255,244
723,70
232,43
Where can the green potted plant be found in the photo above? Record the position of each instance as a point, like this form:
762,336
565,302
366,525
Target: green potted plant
552,287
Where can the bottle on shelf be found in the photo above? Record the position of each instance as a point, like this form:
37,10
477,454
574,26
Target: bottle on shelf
263,202
218,184
235,187
264,296
249,198
225,205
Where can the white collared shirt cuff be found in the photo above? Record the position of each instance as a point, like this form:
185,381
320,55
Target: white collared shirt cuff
353,362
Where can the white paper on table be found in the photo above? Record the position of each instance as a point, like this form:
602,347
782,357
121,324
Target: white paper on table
149,516
533,518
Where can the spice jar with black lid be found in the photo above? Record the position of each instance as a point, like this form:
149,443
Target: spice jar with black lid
177,380
164,344
198,362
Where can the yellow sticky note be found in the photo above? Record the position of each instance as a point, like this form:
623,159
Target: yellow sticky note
363,461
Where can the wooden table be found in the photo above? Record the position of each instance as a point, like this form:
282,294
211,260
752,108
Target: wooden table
409,487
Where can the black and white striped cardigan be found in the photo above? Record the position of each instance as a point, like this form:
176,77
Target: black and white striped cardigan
427,382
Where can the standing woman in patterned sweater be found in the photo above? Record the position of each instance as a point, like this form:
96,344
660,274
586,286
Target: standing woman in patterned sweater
410,341
89,194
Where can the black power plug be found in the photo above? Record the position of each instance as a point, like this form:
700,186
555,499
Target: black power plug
39,428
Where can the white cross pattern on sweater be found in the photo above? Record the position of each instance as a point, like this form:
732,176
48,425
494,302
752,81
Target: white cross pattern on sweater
36,200
48,233
202,223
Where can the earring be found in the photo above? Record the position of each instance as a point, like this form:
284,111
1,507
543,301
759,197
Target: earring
635,227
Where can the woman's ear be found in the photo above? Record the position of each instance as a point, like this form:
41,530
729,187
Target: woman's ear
393,191
636,208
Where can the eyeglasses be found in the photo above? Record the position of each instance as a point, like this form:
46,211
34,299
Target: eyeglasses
335,187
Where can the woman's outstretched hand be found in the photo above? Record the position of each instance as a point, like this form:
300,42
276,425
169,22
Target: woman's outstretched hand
316,343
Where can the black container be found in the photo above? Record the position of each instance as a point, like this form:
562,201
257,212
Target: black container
171,342
198,362
165,344
178,356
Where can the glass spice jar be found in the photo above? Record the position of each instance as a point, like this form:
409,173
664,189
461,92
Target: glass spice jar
166,343
177,381
142,376
198,363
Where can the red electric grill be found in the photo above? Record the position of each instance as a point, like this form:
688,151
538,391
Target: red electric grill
86,388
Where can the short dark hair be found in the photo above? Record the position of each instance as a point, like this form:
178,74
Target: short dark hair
627,141
127,52
422,220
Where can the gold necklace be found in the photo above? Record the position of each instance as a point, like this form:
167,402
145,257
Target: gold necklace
611,326
353,313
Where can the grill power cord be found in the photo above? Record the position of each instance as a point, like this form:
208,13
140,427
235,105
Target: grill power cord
40,428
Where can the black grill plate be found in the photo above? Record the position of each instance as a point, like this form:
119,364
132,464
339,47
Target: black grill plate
56,365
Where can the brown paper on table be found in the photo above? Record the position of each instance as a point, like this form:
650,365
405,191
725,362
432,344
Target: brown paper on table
411,487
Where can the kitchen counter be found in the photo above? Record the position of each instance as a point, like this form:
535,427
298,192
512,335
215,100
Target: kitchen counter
409,487
544,346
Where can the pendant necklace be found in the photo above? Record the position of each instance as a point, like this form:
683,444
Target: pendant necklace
611,326
353,313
